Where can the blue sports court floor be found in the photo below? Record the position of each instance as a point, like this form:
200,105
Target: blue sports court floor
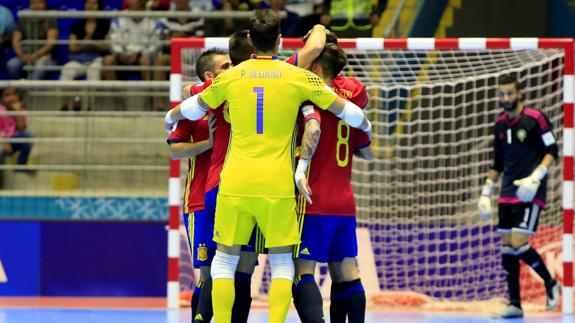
30,315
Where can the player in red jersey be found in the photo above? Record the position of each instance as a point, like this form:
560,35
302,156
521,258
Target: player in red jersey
328,232
193,140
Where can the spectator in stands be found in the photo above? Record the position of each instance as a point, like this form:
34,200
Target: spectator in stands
230,25
178,27
33,54
307,12
86,59
6,29
292,24
159,4
134,41
14,126
357,22
185,27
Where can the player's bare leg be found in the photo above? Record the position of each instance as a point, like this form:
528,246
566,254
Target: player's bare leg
524,251
223,271
283,271
306,295
347,293
242,283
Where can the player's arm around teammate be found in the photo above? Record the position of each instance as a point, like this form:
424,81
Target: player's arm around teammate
198,221
524,149
194,108
310,140
183,150
313,45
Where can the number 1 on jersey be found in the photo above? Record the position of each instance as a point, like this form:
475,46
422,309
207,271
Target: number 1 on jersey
259,110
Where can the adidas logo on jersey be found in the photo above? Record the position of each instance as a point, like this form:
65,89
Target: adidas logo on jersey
199,317
305,252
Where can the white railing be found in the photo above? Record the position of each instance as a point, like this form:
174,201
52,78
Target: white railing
92,85
137,14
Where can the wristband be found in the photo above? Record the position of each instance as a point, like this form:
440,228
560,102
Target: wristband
488,187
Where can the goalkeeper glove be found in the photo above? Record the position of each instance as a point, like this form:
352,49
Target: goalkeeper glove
527,187
484,204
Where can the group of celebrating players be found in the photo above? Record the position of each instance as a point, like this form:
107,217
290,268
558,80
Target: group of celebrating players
239,130
244,156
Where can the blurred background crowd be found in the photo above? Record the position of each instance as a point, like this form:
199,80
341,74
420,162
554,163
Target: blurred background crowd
96,46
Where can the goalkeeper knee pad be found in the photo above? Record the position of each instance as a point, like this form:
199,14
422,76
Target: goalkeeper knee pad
224,266
282,266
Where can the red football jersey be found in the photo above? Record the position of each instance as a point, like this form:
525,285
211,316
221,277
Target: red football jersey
220,145
292,59
330,168
194,131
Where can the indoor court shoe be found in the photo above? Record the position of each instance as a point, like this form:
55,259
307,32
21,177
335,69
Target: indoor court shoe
510,312
553,296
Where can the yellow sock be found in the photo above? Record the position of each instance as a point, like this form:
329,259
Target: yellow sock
280,299
223,294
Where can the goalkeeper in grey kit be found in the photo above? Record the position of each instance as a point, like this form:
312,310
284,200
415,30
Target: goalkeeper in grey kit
524,148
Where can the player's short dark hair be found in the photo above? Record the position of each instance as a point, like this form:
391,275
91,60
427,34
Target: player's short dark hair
264,29
330,37
509,79
206,63
240,47
332,60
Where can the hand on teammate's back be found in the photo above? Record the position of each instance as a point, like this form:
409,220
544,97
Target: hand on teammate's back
300,177
304,189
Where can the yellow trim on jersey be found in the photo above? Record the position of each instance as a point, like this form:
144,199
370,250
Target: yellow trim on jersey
189,181
190,228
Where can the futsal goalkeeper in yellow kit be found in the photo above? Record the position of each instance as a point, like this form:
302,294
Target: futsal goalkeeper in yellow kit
257,182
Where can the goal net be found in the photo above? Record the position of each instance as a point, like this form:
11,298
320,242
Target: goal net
433,112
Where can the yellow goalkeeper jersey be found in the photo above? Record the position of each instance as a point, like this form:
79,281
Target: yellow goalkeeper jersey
263,95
